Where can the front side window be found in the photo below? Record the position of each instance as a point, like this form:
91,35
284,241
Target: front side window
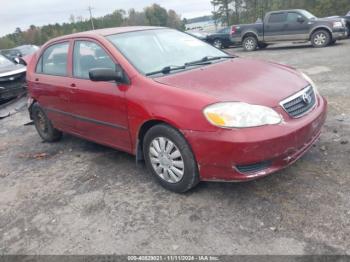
54,60
152,50
278,18
89,55
293,17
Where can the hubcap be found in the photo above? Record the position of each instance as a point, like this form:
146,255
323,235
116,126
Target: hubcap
320,39
166,160
249,44
218,44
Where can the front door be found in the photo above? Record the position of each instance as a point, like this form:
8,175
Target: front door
99,107
297,27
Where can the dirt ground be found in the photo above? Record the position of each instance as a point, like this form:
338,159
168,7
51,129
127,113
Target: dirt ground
76,197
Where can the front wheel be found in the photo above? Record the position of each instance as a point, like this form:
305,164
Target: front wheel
170,159
321,38
218,44
250,43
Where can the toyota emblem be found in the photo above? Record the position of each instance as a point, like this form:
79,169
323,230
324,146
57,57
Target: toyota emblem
307,98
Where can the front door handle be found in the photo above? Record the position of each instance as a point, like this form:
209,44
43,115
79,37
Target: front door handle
73,85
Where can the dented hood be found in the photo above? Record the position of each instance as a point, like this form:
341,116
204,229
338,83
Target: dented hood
238,79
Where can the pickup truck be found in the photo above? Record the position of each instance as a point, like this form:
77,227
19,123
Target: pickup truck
291,26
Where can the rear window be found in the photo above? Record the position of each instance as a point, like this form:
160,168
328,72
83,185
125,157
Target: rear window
54,60
278,18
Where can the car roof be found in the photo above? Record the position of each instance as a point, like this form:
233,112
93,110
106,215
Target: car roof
107,31
287,10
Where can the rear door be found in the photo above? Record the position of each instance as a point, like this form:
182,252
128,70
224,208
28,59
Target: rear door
275,27
51,85
99,107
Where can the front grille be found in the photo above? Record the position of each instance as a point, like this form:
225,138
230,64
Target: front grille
11,86
252,168
300,103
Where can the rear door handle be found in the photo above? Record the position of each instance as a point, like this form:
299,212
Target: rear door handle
36,79
73,85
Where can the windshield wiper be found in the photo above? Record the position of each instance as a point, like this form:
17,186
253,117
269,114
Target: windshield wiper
207,59
166,70
204,61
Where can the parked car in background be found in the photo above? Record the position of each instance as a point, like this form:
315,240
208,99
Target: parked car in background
200,35
19,51
11,54
12,79
221,38
191,111
292,26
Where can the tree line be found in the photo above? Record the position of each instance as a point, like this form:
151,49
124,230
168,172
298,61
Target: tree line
231,12
153,15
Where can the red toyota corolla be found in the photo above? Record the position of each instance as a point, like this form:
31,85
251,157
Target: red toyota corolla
190,111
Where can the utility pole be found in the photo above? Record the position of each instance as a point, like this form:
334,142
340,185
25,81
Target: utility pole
91,18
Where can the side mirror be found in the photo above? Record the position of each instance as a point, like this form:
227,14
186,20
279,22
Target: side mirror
17,60
300,19
107,74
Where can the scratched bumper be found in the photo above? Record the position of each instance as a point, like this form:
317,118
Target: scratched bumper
219,153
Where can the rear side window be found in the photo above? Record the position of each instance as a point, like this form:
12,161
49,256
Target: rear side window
278,18
89,55
54,60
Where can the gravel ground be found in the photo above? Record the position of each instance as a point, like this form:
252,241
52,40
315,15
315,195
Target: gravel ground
76,197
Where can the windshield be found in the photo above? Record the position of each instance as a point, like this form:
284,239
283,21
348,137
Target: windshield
27,50
307,14
152,50
4,62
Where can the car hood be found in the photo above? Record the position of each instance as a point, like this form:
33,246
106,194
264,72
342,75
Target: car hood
329,19
244,80
11,69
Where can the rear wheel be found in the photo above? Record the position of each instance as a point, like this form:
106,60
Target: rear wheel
250,43
44,126
170,159
321,38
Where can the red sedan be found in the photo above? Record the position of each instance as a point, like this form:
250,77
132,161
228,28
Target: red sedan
190,111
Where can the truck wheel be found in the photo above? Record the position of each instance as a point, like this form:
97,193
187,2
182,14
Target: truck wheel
218,44
170,159
321,38
44,126
250,43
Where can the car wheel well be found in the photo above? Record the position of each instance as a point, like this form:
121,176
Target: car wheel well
141,134
320,29
249,34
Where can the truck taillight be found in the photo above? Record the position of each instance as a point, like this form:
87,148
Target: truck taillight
233,30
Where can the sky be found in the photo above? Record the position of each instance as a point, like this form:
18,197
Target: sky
23,13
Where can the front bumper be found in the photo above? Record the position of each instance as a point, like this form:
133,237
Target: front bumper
222,154
340,34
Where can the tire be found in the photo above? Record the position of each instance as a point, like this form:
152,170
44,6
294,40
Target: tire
250,43
321,38
44,126
218,44
160,159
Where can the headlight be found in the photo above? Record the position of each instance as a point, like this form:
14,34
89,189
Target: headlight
337,24
240,115
310,81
